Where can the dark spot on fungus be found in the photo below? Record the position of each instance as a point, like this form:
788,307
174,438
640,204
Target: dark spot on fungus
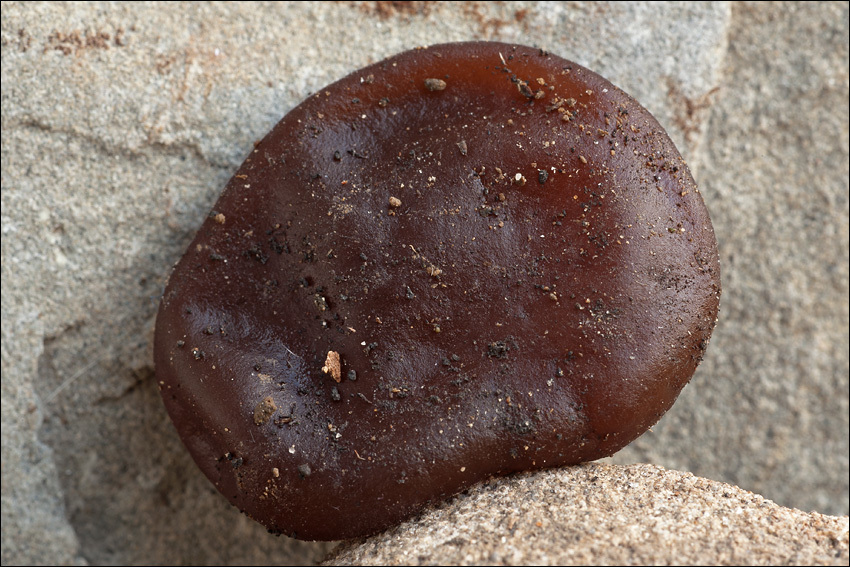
234,461
498,349
566,315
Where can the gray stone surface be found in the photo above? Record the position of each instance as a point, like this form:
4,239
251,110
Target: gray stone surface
121,123
596,514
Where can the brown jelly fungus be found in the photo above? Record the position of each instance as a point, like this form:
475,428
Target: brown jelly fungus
503,254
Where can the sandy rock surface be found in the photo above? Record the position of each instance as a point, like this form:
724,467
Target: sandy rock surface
598,514
121,124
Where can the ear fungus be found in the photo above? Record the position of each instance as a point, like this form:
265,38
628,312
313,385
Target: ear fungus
466,260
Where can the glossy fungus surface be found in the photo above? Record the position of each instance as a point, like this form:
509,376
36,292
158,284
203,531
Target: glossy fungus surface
464,261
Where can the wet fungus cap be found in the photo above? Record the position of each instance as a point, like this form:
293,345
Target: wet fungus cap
466,260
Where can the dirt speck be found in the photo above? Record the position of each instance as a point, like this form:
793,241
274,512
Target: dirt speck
689,113
386,10
332,366
76,42
264,410
435,85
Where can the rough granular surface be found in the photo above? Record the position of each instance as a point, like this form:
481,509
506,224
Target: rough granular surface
607,515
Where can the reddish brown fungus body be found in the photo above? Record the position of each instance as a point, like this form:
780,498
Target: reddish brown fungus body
463,261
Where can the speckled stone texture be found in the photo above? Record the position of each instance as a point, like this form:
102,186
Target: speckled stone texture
122,122
596,514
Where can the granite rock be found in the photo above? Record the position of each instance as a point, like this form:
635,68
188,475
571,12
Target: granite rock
596,514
